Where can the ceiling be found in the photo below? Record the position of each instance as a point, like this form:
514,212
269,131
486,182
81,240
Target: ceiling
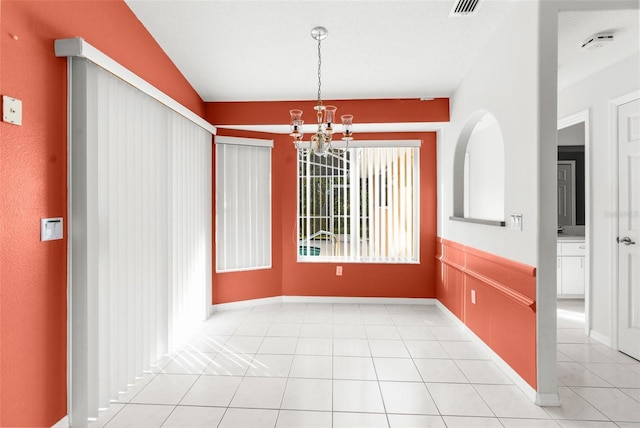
242,50
575,28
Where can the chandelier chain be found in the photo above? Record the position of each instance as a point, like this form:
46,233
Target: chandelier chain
320,142
319,75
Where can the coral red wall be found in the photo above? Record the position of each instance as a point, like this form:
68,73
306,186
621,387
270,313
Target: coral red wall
254,284
363,111
33,173
288,277
504,314
363,279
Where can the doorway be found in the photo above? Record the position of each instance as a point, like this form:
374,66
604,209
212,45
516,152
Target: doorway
627,123
566,193
574,232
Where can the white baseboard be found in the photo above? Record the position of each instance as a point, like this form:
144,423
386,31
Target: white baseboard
359,300
62,423
548,400
245,304
605,340
322,299
506,368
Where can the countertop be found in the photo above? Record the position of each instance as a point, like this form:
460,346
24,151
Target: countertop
568,238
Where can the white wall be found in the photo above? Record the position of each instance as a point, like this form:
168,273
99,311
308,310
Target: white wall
485,182
503,81
595,93
507,81
571,135
515,78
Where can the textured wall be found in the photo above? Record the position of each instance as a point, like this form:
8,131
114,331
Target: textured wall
503,314
33,173
290,278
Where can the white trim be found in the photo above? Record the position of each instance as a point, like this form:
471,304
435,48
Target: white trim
599,337
62,423
359,300
574,119
243,304
375,143
238,141
244,269
69,260
347,259
357,128
534,396
547,400
78,47
360,144
614,225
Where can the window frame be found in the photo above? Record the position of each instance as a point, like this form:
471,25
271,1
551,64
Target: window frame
414,144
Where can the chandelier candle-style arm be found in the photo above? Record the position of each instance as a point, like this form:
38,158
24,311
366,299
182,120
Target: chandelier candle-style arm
320,142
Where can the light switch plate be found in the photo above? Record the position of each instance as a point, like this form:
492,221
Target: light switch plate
516,221
11,110
51,229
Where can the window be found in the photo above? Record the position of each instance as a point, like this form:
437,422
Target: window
360,204
243,204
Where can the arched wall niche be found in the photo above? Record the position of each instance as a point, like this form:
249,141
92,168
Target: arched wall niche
478,171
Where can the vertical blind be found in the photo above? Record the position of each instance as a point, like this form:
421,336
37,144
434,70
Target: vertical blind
243,204
361,204
140,234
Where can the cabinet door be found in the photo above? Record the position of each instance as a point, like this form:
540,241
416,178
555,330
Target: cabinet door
573,275
559,276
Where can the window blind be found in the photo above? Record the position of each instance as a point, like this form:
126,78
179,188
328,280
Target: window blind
140,234
360,204
243,204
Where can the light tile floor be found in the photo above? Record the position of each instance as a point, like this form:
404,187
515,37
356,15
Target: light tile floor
345,365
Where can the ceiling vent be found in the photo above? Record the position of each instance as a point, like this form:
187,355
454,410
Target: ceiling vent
464,8
597,41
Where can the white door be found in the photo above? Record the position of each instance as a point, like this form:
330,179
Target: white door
566,193
629,228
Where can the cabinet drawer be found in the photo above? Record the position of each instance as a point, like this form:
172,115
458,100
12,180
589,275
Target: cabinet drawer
573,249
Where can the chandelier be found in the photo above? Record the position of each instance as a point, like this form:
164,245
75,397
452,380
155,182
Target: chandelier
320,142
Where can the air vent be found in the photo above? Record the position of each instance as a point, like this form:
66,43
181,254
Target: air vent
464,8
597,41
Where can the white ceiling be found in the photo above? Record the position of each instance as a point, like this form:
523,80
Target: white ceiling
242,50
575,28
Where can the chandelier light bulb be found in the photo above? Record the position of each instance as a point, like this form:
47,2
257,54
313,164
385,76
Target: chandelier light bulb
329,115
296,122
347,123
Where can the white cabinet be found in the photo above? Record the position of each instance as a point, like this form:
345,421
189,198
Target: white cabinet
571,268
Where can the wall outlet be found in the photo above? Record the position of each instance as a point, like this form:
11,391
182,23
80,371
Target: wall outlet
11,110
338,270
473,296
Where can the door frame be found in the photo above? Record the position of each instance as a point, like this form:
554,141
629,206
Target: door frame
614,223
584,117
